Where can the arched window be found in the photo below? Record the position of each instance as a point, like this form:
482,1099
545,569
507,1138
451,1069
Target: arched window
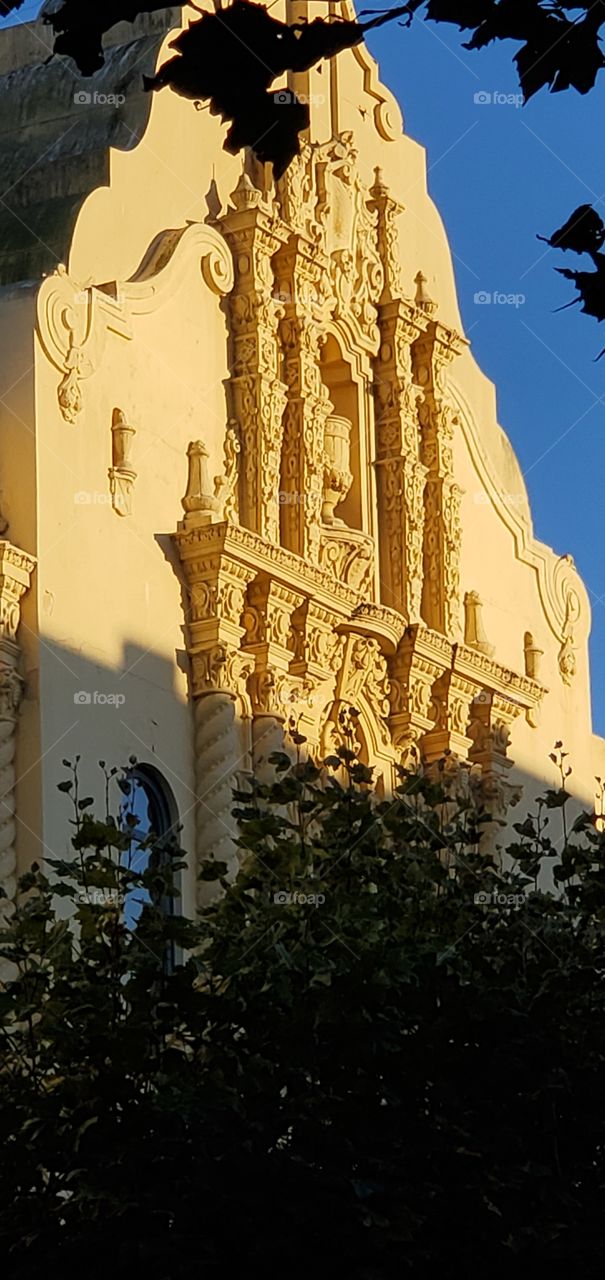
148,799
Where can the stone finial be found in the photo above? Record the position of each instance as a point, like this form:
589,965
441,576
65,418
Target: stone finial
474,632
533,656
422,297
200,503
245,195
121,473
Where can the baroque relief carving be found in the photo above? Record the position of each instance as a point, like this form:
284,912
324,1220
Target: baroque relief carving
432,353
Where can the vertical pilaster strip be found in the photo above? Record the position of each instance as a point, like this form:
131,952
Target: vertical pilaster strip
216,586
400,474
299,268
431,354
16,568
258,395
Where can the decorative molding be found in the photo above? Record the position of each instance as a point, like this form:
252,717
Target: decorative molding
73,320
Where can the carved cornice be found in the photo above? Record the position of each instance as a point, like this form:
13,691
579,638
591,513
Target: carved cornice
258,555
519,690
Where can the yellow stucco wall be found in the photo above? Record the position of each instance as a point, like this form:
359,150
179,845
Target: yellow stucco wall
105,612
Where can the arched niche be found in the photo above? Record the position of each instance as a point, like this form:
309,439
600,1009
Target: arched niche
344,383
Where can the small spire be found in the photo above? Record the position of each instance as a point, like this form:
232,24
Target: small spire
423,298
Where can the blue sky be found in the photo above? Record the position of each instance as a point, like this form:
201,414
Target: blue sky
25,14
499,175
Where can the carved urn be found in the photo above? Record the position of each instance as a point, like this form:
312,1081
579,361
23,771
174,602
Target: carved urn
337,475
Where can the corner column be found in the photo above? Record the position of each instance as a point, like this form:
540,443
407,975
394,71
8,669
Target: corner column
16,568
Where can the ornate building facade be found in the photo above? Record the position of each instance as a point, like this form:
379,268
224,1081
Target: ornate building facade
251,474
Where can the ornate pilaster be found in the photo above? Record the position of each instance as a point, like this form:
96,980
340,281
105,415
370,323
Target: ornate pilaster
16,568
317,650
216,584
255,233
492,716
400,474
299,269
452,696
432,353
267,620
422,657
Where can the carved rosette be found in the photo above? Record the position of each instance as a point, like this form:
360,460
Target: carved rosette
16,568
258,396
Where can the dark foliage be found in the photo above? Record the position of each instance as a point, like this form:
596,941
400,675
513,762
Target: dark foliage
584,232
375,1055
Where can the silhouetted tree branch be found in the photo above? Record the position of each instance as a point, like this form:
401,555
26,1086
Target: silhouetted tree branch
231,58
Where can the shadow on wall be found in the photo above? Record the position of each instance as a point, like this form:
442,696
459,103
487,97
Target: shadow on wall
139,714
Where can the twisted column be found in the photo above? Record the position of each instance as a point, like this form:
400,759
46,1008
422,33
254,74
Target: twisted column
216,761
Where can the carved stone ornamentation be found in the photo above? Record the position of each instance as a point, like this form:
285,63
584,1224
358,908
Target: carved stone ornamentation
337,476
474,631
349,555
421,659
121,473
400,473
200,503
16,568
567,656
300,268
432,352
258,395
532,655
